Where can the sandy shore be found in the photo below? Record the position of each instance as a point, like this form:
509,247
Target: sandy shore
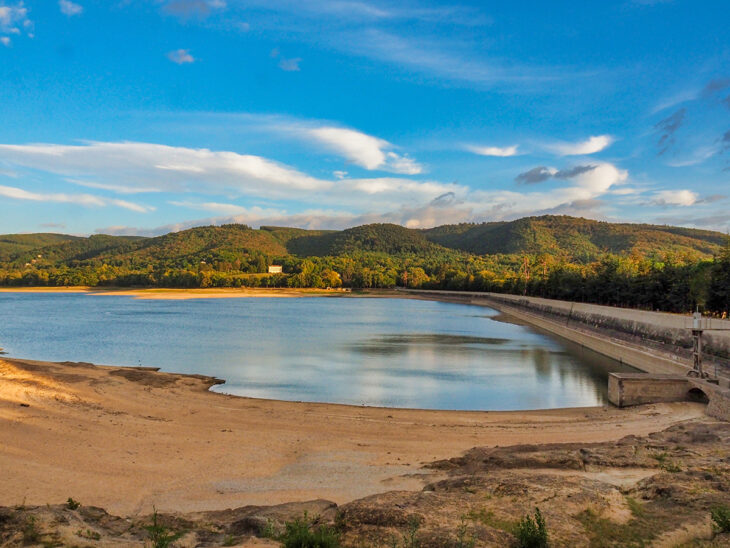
126,439
182,294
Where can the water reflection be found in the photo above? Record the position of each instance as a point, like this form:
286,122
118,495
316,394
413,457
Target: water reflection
392,352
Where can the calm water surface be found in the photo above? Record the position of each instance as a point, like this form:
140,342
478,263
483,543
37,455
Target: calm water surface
390,352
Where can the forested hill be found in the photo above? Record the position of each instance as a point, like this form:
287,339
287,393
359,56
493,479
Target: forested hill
570,238
655,267
581,239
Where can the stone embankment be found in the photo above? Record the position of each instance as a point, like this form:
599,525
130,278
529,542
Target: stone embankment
656,343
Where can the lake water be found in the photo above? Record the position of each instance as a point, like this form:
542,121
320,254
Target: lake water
363,351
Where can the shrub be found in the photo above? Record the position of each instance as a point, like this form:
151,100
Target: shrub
721,517
532,532
301,534
160,535
72,504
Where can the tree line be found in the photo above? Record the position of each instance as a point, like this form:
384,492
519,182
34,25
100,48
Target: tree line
672,282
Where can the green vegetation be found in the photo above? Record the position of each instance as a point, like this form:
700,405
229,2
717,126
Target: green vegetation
302,533
721,518
532,532
72,504
160,536
643,266
31,532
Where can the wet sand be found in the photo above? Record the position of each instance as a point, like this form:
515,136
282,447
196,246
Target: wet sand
126,439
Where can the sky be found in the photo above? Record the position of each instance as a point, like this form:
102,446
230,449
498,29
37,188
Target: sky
148,116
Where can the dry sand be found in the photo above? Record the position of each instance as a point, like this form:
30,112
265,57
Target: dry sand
209,293
126,439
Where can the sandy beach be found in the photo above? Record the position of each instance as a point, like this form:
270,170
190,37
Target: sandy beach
194,293
127,439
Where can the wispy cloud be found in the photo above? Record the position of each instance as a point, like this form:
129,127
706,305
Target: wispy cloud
70,8
667,128
443,62
192,9
501,152
590,146
364,150
87,200
181,56
290,65
5,41
146,165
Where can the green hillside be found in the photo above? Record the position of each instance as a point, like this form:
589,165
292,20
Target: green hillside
648,266
376,238
12,245
580,239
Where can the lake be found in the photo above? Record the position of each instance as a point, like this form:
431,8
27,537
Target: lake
362,351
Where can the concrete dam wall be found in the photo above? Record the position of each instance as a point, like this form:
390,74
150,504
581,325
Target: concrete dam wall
655,342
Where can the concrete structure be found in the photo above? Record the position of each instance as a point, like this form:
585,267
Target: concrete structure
654,342
627,389
275,269
649,341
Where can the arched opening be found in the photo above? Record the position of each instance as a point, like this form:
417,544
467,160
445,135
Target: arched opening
697,395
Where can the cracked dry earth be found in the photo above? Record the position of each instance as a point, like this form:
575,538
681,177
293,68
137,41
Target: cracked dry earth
656,490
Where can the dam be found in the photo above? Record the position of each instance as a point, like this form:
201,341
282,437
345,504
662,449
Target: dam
660,345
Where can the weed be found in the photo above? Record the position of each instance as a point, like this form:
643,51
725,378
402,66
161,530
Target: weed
721,518
660,457
160,535
300,533
31,533
229,540
72,504
488,518
269,530
92,535
461,538
410,539
670,466
532,532
637,509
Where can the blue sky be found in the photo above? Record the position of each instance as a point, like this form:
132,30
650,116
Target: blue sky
144,116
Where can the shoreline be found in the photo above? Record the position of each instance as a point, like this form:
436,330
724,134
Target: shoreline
162,293
126,439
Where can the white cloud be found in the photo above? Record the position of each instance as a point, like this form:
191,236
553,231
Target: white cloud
87,200
675,198
69,8
5,41
364,150
145,166
290,65
181,56
13,18
251,213
592,145
502,152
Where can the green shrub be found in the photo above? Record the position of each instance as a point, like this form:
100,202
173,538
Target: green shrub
721,517
532,532
72,504
160,535
301,534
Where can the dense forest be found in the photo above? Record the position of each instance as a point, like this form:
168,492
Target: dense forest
646,266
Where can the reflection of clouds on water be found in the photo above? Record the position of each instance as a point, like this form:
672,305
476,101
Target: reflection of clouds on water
391,352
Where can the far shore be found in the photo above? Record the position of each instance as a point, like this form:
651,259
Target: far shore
201,293
127,438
